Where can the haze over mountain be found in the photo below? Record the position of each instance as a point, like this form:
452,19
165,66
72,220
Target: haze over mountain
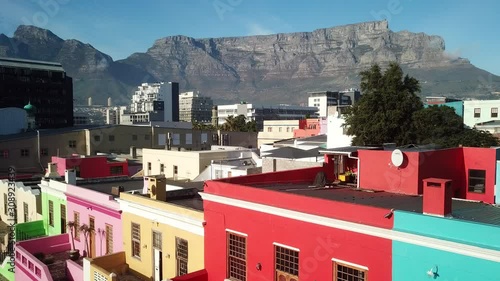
279,68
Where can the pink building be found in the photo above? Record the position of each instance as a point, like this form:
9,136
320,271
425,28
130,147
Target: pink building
94,205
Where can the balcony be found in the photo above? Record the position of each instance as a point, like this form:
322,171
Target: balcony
47,259
112,267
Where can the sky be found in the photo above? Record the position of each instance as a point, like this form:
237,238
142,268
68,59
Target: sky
119,28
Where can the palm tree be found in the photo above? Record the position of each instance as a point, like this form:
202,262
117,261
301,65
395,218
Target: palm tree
74,253
86,230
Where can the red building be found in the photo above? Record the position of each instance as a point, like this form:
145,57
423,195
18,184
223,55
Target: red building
91,166
308,128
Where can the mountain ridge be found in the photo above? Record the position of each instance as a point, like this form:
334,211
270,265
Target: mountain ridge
274,68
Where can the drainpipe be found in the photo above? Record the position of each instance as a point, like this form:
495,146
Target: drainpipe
356,158
38,148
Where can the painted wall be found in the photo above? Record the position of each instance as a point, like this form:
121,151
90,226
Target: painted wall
458,106
377,172
29,230
200,275
58,198
336,136
411,262
90,166
497,185
485,106
172,221
104,209
23,194
317,244
308,128
6,270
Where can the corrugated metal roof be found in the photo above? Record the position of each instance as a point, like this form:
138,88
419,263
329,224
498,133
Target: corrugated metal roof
31,64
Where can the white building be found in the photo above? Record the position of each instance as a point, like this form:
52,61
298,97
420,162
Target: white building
195,108
114,115
261,113
480,111
322,100
159,101
337,136
275,130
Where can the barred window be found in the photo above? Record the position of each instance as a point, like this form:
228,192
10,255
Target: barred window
346,272
136,240
181,253
157,240
237,257
287,260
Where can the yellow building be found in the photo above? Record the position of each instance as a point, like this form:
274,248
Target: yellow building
162,234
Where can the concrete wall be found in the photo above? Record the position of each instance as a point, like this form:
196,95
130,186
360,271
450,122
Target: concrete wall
286,164
336,136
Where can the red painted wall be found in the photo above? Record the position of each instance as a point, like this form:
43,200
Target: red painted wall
90,167
377,172
481,159
317,245
200,275
307,128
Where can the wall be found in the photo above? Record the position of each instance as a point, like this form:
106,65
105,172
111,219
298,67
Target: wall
90,167
6,270
172,221
336,136
25,194
74,271
29,230
445,164
200,275
481,159
411,262
317,244
104,210
311,127
105,265
497,185
286,164
377,172
58,198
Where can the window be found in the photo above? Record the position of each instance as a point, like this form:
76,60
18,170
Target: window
117,170
477,180
287,263
287,129
136,240
77,225
97,138
343,272
181,254
51,213
149,167
63,218
279,129
269,129
189,138
5,206
26,212
494,112
44,152
109,239
162,169
134,137
157,240
477,112
146,137
4,153
236,257
72,143
111,138
25,152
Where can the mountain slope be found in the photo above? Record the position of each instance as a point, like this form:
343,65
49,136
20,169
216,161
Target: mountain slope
277,68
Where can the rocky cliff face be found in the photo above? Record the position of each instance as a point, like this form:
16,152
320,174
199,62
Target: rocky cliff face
271,68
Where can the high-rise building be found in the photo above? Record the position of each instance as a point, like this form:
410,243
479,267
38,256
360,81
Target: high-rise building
195,108
155,102
322,100
44,85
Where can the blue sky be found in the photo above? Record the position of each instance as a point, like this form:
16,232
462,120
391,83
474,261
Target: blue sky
121,27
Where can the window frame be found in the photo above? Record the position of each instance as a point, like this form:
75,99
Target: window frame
494,112
292,272
109,238
76,220
349,265
181,257
230,257
51,213
471,188
135,241
477,112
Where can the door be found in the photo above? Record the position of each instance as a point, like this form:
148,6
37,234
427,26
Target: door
158,265
63,218
92,237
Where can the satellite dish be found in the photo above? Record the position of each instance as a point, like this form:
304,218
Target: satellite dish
397,157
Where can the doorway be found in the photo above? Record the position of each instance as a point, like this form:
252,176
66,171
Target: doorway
157,256
63,218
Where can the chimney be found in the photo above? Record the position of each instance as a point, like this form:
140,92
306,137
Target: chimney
115,190
70,177
52,171
438,195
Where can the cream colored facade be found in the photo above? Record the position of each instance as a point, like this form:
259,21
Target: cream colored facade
187,164
276,130
28,201
172,222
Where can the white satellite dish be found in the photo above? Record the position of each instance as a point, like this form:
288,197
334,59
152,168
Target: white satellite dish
397,157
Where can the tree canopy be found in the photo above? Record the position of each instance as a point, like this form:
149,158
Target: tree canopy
390,111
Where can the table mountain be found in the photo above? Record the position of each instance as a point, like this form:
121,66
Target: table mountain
279,68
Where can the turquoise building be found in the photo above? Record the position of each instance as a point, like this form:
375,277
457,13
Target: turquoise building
457,105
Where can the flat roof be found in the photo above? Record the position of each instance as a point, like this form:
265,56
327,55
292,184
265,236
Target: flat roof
461,209
319,139
348,149
32,64
106,186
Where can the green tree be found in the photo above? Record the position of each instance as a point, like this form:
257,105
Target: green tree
239,124
437,124
385,111
472,138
